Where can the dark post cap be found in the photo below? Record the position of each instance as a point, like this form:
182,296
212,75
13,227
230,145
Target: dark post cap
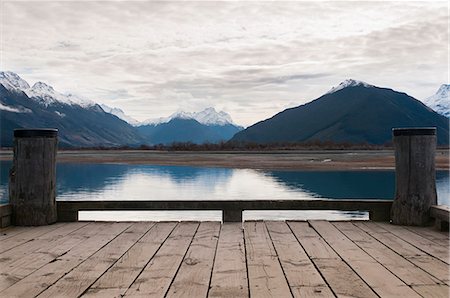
35,132
414,131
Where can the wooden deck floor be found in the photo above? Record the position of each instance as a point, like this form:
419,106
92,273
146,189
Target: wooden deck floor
191,259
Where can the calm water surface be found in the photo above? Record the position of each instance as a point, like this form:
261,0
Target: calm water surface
149,182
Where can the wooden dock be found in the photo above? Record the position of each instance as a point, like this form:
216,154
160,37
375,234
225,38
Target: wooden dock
210,259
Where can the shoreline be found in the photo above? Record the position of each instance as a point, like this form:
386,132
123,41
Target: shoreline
315,160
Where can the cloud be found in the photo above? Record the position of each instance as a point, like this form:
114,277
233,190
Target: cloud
18,109
250,58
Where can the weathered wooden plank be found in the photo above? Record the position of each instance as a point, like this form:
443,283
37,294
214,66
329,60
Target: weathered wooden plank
402,268
418,241
384,283
19,262
431,291
343,246
438,237
45,243
41,251
229,278
266,278
155,279
433,266
316,291
193,277
313,244
30,234
41,279
381,280
116,281
77,281
343,281
11,231
395,243
297,267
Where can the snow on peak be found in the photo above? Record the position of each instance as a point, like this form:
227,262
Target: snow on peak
208,116
443,90
46,95
43,87
40,92
348,83
12,81
120,114
440,101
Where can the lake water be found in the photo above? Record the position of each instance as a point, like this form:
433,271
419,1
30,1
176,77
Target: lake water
149,182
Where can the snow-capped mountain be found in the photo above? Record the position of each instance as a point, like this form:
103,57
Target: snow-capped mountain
348,83
440,102
196,127
12,81
46,95
80,122
208,116
84,123
355,112
120,114
40,92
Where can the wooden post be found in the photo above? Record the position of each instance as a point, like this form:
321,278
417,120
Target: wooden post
32,185
415,176
232,215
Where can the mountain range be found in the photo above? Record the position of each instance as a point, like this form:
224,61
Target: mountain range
84,123
207,126
354,112
81,123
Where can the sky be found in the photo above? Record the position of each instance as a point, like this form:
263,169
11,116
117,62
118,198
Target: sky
249,59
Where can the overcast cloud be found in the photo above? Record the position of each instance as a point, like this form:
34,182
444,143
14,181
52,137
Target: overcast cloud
250,59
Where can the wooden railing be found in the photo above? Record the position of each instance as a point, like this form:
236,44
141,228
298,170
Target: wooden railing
5,215
441,215
379,210
35,151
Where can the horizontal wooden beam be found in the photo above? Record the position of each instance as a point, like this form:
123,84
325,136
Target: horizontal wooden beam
5,215
441,215
379,210
440,211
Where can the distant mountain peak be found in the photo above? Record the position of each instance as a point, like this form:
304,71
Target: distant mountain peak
349,83
40,92
43,86
120,114
440,101
443,90
362,115
12,81
46,95
208,116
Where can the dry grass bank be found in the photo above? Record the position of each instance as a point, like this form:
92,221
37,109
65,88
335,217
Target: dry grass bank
283,160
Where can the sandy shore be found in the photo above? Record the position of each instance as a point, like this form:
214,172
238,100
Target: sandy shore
283,160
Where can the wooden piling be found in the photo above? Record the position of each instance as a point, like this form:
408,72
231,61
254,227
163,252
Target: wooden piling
415,175
32,185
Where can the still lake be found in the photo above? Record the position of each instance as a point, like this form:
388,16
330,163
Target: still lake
150,182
